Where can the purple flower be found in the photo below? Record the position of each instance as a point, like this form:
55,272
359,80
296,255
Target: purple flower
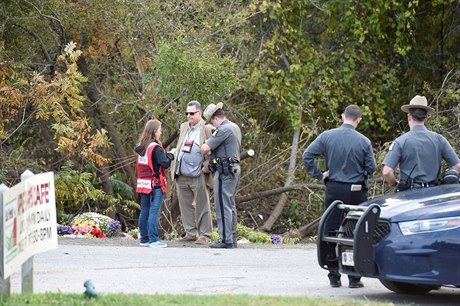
275,239
64,230
113,229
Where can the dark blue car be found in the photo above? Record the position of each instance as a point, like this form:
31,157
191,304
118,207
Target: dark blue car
409,240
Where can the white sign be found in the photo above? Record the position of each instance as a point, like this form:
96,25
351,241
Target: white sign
29,221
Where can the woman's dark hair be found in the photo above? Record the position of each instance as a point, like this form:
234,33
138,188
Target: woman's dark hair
148,134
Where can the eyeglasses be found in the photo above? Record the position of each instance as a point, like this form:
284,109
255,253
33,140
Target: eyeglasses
191,113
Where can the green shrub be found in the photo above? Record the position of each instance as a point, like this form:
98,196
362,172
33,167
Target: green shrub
243,231
134,233
214,236
258,237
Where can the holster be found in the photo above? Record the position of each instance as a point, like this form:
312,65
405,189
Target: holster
223,165
212,166
403,185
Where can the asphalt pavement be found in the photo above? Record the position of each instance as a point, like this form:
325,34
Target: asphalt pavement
119,266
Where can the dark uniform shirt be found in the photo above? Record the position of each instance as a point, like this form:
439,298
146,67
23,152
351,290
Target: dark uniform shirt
419,153
226,140
348,154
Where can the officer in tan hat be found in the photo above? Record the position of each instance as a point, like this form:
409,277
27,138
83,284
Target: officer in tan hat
224,146
418,152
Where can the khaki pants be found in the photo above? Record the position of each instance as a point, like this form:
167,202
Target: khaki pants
195,210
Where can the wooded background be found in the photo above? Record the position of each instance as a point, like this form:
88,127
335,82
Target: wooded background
79,78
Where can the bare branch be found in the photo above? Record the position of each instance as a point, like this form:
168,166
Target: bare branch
268,193
304,230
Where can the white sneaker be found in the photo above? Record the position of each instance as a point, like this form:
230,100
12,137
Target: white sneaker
158,244
146,244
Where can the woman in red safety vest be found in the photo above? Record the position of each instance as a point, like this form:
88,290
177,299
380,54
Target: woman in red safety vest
151,162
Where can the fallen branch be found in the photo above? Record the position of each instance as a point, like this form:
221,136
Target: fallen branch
267,193
246,154
307,230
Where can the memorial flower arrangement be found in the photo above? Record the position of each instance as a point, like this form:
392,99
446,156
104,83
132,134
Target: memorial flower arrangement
64,230
113,229
83,227
275,239
91,225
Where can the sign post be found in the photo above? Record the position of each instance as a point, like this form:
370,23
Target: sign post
27,270
5,284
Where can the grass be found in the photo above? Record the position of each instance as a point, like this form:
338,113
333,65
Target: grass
138,299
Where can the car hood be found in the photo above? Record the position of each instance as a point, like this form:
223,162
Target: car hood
418,204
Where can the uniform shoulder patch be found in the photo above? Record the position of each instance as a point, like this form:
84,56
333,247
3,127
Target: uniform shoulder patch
215,132
392,146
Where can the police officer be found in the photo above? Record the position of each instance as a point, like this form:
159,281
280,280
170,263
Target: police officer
418,152
224,145
349,159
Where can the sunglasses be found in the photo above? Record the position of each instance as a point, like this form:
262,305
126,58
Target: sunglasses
191,113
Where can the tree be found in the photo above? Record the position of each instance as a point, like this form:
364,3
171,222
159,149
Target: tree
285,70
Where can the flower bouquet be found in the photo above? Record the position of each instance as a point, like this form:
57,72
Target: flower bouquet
91,225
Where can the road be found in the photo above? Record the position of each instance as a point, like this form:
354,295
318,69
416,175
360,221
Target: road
183,268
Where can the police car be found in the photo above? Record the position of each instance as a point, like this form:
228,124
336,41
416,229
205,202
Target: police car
409,240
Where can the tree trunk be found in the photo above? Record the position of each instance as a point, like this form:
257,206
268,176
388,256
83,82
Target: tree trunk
267,226
95,96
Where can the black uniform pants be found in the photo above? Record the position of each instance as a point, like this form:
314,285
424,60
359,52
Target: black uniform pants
341,191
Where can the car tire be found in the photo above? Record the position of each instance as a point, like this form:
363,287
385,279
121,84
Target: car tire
399,287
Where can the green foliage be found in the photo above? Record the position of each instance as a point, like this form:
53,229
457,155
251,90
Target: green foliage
120,188
295,213
74,189
258,237
251,235
245,232
278,65
291,240
134,233
65,299
198,74
320,57
123,193
214,236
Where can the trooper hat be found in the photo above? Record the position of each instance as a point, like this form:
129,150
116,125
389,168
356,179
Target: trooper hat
210,110
451,177
417,102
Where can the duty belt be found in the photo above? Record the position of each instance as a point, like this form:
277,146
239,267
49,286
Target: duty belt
410,184
422,185
223,165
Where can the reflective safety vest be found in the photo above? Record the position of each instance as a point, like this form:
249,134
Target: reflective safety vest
146,174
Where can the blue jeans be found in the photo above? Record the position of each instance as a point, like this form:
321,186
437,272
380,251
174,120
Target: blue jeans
148,218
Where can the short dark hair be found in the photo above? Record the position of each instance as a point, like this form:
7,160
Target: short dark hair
353,112
219,113
419,114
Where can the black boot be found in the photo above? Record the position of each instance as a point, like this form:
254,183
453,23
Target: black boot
221,245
